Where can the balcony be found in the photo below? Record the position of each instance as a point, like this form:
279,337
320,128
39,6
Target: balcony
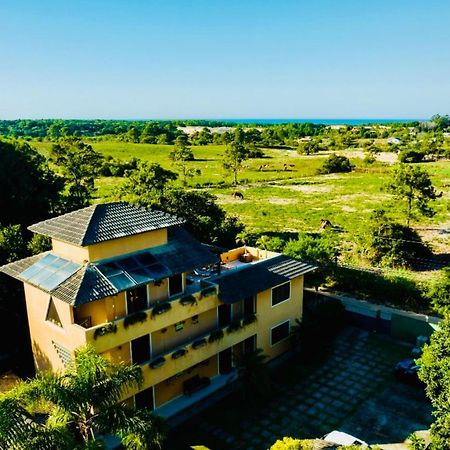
169,363
197,299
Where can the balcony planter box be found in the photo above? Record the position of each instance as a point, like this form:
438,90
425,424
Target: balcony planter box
247,320
188,300
210,290
199,344
158,362
161,308
234,326
179,353
139,316
216,335
110,327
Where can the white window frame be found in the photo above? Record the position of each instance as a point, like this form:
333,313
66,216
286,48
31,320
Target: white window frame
277,325
283,301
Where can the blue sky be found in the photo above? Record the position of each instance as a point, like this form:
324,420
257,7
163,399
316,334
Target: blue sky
224,59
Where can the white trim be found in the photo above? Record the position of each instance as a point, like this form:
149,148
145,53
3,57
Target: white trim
277,325
283,301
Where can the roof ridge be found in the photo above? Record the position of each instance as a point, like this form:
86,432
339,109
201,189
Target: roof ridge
88,224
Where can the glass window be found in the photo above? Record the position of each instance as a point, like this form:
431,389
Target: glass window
279,333
281,293
137,299
175,284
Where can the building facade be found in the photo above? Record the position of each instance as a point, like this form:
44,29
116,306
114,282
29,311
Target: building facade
133,284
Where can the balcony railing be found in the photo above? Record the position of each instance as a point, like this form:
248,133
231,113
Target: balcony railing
160,315
182,357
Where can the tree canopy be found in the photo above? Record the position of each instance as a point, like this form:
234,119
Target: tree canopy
66,411
29,190
412,185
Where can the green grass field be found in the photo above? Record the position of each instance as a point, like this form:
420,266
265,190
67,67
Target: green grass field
278,200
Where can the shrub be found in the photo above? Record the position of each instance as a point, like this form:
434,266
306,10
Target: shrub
215,335
409,155
438,292
199,344
188,300
139,316
335,164
161,308
158,362
110,327
179,353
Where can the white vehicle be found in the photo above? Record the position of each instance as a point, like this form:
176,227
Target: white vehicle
341,438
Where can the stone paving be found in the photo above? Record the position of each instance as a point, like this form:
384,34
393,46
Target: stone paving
353,390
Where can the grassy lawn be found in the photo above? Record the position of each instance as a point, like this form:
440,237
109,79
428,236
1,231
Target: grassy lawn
282,191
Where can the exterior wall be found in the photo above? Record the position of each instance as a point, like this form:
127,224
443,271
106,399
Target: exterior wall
126,245
121,354
157,293
269,316
101,311
109,249
44,333
235,253
161,342
70,251
173,387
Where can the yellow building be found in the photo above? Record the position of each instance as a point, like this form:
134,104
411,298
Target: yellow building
137,287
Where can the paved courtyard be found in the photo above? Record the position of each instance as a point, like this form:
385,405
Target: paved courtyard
353,390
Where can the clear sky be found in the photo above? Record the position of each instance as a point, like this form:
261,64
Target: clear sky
224,58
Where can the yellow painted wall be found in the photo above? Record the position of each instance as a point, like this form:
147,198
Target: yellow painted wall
109,249
173,387
101,311
43,332
162,342
235,253
128,244
119,354
70,251
269,316
157,293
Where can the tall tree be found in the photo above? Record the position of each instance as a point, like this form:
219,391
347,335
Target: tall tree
69,410
180,156
235,155
413,185
29,190
145,185
435,373
79,163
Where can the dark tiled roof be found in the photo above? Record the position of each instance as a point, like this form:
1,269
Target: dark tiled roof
92,281
250,279
15,268
98,223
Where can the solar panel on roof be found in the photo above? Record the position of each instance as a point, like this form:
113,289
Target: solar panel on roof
146,259
49,272
121,281
158,271
109,269
141,276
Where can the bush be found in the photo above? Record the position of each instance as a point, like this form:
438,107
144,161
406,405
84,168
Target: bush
161,308
235,325
393,289
438,292
215,335
335,164
110,327
139,316
409,155
392,244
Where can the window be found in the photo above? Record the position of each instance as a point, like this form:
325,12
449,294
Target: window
137,299
52,314
280,332
281,293
175,284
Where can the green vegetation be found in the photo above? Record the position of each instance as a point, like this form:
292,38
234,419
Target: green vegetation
70,410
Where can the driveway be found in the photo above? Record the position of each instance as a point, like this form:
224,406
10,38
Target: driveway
352,390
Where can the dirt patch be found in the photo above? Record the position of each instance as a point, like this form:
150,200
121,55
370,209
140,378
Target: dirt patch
282,201
306,189
8,381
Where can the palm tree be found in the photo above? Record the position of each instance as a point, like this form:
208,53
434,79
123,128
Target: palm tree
252,373
264,242
242,238
70,410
